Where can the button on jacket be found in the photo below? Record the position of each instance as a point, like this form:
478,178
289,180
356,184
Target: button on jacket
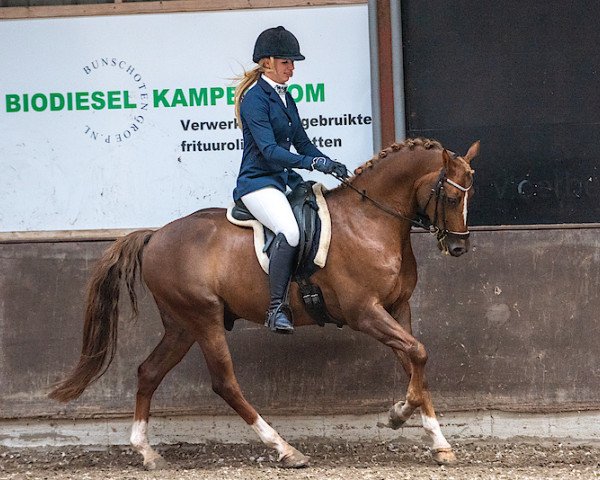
269,129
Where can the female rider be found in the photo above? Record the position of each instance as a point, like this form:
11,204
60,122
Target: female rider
271,124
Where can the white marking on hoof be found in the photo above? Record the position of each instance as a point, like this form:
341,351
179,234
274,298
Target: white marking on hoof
288,455
139,442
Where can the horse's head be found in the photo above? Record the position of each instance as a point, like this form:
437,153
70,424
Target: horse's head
443,197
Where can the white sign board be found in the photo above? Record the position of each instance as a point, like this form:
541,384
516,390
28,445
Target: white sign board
128,121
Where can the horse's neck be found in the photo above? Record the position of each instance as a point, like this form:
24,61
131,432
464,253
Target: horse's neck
390,185
392,180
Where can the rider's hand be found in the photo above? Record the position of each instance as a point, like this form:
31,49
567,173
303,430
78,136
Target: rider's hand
326,165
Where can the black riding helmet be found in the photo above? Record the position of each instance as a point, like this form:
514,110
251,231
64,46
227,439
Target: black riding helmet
277,42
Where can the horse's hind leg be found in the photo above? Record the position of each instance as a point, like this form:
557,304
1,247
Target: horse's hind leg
218,359
173,346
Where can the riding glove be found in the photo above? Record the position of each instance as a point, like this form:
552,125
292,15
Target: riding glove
326,165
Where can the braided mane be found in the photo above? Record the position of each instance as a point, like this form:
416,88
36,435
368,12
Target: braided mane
409,143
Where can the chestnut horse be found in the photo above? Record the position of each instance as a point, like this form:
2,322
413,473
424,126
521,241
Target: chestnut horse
202,272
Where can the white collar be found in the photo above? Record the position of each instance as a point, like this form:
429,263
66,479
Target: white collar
271,82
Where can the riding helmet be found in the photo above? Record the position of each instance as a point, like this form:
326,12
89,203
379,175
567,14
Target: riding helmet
277,42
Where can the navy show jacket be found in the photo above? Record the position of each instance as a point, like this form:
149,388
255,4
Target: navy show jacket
269,129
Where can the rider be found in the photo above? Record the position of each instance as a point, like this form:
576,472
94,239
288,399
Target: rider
270,122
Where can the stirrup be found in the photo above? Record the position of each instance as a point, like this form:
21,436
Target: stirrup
283,326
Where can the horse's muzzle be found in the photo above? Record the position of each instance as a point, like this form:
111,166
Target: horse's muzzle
455,245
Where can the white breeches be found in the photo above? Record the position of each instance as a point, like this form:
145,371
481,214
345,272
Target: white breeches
271,208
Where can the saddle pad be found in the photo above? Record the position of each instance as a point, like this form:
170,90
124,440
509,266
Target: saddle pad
259,234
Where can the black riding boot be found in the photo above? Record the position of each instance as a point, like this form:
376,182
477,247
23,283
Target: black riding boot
281,265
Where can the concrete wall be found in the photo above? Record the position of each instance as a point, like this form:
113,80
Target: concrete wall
512,325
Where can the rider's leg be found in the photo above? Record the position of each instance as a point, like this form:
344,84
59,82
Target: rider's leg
271,208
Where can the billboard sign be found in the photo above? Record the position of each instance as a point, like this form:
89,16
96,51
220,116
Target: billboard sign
128,121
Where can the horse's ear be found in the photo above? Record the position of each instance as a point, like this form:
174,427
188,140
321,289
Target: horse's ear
447,159
473,152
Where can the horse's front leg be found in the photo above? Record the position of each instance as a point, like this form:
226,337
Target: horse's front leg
396,332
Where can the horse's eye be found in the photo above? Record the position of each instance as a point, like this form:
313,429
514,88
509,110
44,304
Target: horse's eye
452,201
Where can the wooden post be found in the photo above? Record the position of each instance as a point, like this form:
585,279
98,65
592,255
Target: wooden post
386,80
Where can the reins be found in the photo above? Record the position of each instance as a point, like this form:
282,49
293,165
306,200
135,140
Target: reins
381,206
423,221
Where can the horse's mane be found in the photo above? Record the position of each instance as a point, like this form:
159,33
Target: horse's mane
409,143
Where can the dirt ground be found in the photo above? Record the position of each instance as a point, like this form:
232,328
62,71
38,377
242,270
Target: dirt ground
364,461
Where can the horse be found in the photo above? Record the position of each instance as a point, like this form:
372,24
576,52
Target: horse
202,273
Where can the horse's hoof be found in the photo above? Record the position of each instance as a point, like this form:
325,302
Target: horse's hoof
157,463
295,459
394,421
444,456
394,424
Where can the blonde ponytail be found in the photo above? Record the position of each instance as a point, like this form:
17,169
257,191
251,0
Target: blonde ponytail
245,82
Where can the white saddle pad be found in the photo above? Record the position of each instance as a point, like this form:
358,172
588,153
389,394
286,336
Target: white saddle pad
259,236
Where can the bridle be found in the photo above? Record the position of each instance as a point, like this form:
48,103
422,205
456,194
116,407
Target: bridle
422,221
439,192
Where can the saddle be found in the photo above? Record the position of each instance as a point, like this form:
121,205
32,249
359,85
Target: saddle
311,212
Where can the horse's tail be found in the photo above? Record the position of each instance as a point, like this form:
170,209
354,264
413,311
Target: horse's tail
121,261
